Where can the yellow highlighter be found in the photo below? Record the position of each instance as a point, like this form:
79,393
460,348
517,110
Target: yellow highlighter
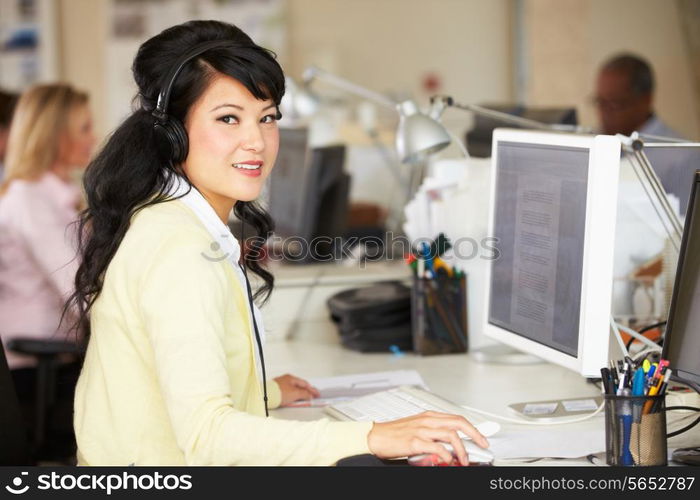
653,391
438,264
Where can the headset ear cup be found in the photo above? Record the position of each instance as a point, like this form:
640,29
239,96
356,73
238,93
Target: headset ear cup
171,140
179,141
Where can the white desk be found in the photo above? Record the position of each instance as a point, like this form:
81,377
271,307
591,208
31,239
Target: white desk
297,307
456,377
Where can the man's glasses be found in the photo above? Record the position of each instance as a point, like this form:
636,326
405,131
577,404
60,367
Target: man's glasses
614,105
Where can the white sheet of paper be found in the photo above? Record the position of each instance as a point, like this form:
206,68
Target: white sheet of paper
541,443
353,386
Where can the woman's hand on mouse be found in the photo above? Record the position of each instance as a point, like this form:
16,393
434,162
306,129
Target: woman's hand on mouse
295,389
422,433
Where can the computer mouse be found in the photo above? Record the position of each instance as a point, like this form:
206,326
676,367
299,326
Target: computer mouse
476,453
487,429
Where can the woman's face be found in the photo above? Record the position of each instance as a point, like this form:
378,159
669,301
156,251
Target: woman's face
78,142
233,142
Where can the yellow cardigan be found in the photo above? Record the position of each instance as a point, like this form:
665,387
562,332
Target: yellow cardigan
169,376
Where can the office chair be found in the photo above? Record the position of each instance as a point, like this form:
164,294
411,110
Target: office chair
47,353
14,447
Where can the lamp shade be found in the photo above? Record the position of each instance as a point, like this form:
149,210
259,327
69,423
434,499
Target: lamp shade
298,101
418,135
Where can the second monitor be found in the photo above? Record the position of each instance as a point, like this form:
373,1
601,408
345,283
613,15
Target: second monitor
308,198
553,207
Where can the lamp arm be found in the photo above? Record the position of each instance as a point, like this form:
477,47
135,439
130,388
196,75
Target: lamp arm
314,73
644,170
507,117
504,117
672,145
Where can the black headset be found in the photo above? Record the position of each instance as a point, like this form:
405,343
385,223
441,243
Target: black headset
172,143
171,136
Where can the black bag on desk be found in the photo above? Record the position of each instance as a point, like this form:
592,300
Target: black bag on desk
374,318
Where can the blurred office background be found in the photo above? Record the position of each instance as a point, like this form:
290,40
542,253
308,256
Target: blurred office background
533,52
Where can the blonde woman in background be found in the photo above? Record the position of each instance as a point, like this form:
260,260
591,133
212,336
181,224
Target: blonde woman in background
50,138
7,106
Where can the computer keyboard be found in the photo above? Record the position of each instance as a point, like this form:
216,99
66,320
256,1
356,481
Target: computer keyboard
391,404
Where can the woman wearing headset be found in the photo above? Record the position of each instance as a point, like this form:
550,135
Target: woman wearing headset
174,371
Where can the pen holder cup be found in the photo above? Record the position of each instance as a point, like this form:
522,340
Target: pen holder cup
439,314
635,430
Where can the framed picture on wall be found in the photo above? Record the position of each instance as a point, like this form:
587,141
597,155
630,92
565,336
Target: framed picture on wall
28,43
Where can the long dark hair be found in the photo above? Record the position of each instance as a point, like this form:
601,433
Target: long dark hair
128,175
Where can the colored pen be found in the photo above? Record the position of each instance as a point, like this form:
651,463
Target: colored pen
650,374
605,378
626,422
427,257
664,384
613,373
638,390
638,382
623,375
662,390
654,390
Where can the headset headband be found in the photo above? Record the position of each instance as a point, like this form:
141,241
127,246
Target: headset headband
161,110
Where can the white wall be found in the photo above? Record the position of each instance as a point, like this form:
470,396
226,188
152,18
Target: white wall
569,39
389,45
82,37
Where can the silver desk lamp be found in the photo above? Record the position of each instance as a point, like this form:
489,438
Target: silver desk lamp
418,135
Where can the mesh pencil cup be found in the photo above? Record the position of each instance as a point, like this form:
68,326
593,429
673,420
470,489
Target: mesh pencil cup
635,430
439,315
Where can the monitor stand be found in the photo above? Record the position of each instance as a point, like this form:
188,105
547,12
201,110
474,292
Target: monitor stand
556,409
502,354
540,411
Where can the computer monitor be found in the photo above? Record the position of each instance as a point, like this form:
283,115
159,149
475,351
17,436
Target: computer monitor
327,201
552,211
682,337
309,198
288,182
479,139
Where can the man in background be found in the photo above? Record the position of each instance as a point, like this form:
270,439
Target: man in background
625,102
7,105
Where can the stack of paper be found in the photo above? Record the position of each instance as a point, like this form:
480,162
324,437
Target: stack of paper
344,387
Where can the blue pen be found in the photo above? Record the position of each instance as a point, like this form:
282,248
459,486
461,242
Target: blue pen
427,257
638,390
650,375
638,382
626,422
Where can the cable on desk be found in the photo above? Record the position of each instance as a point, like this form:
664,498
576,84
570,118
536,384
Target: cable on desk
644,353
687,427
643,331
528,422
638,336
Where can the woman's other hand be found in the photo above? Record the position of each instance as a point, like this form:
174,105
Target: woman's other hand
295,389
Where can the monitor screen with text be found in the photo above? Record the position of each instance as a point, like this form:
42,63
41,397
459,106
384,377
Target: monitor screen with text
539,223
